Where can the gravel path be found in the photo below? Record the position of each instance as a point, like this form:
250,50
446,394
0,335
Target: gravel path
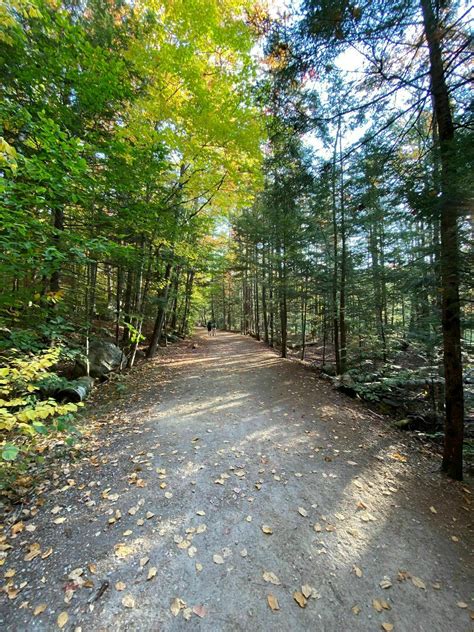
226,482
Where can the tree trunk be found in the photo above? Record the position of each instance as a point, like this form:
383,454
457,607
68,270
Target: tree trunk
449,251
160,317
58,223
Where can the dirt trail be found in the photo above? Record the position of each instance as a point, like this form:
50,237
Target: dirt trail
243,439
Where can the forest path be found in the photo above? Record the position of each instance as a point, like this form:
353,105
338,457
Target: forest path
244,439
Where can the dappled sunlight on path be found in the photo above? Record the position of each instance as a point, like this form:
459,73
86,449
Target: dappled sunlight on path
230,475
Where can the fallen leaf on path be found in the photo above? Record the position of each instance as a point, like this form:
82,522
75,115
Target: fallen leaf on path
385,583
120,586
39,609
357,571
143,561
377,605
273,602
270,577
433,510
198,567
462,604
266,529
122,550
302,511
128,601
388,627
396,456
300,599
355,609
168,495
200,611
33,551
176,605
62,619
200,512
419,583
307,590
317,527
243,553
47,553
152,572
217,559
60,520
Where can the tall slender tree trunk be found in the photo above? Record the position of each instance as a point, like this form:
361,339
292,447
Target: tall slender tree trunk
342,287
58,224
264,302
127,307
187,300
335,277
118,303
449,251
160,317
283,304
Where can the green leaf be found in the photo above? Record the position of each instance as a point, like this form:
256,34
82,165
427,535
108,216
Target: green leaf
9,452
40,427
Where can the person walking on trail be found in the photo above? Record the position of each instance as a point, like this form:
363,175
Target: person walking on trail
209,327
214,327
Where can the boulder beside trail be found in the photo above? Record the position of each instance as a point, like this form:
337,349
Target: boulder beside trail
104,357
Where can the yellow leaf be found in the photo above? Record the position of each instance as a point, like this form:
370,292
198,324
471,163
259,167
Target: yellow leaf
377,605
388,627
62,619
300,599
128,601
273,602
176,606
419,583
39,609
152,572
120,586
122,550
266,529
270,577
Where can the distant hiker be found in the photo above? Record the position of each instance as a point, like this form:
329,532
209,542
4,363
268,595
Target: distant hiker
214,327
209,328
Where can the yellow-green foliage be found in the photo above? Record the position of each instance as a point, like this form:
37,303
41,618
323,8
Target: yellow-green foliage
21,411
